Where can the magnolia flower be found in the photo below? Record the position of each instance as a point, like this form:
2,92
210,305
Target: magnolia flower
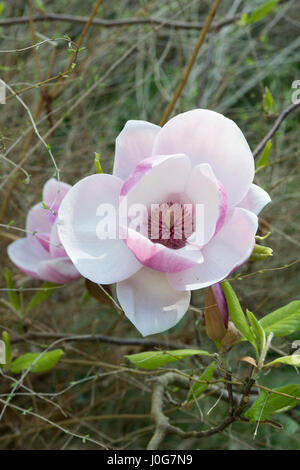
40,254
198,157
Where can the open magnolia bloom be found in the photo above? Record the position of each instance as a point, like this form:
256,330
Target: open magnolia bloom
40,254
198,160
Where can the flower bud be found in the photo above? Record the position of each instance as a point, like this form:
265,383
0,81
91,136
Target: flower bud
216,313
232,335
260,253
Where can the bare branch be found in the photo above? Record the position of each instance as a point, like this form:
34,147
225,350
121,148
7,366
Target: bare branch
282,116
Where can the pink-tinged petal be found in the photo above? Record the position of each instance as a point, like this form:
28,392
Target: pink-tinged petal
209,137
203,189
159,257
230,248
54,192
150,303
155,179
221,302
25,258
55,246
103,261
38,228
133,145
255,200
58,271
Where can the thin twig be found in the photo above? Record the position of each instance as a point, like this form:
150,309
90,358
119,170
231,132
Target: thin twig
191,61
116,23
98,338
282,116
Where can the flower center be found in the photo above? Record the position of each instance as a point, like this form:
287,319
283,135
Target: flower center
170,224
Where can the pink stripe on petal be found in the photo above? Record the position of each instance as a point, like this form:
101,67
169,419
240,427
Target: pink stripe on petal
221,301
160,257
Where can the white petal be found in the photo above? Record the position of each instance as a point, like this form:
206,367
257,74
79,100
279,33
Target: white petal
209,137
25,258
150,303
207,194
133,145
255,200
54,192
103,261
58,271
156,179
227,250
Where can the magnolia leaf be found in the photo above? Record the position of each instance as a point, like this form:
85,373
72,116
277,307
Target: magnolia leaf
262,11
263,160
268,403
293,360
236,313
250,360
36,362
154,359
12,294
283,321
198,388
44,293
257,329
268,101
6,342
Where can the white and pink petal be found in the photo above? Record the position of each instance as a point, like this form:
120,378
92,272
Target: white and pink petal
255,200
133,145
209,137
150,303
229,248
100,258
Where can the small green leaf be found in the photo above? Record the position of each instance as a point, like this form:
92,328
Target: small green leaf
268,101
283,321
262,11
6,341
293,360
12,294
236,313
36,362
44,293
257,329
198,388
268,403
154,359
263,160
97,163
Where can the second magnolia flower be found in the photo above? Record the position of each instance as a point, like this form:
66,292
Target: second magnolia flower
198,157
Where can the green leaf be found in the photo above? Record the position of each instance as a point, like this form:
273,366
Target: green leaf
263,160
293,360
97,163
283,321
12,294
44,293
236,313
262,11
6,341
198,388
154,359
36,362
268,101
257,329
269,403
